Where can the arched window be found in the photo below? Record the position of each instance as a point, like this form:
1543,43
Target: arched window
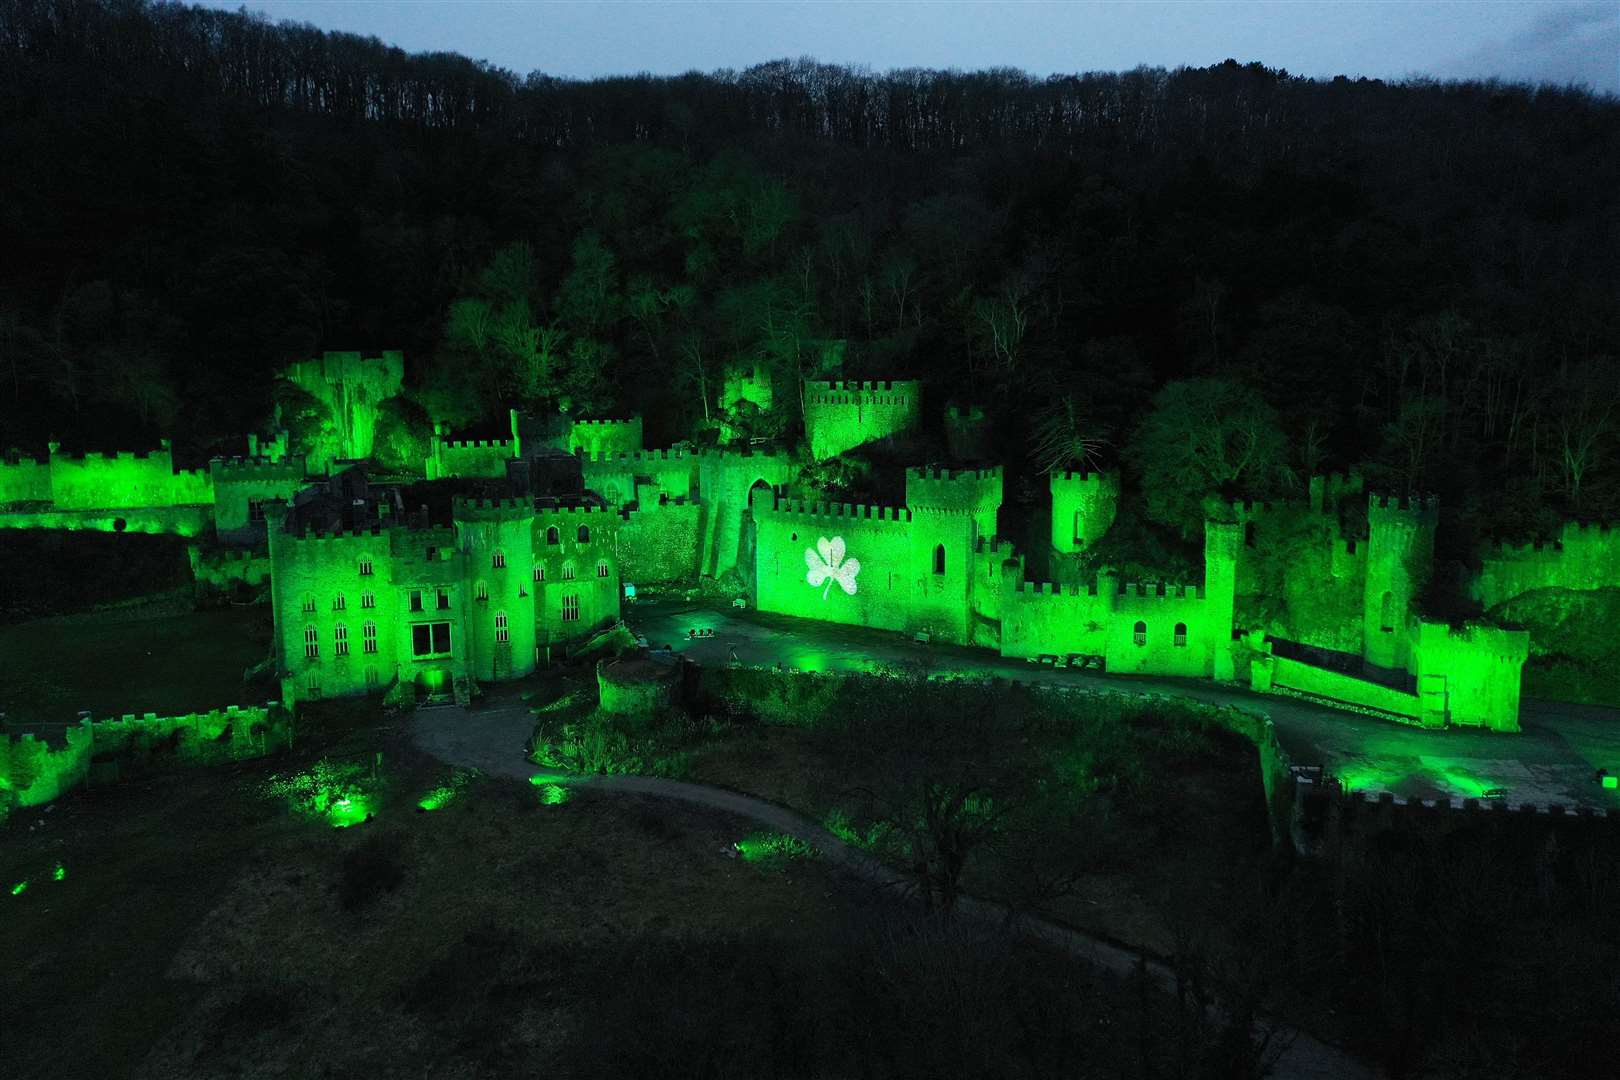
498,560
568,571
338,603
1139,635
1079,527
539,572
553,536
584,534
368,636
939,559
365,566
1180,639
340,640
602,568
309,605
481,591
1386,613
312,643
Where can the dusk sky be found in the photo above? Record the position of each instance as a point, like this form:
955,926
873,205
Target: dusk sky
1549,40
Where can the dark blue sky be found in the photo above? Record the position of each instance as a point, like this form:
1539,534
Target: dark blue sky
1552,40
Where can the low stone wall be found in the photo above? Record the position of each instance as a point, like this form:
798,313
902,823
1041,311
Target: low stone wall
179,520
1337,686
34,772
224,569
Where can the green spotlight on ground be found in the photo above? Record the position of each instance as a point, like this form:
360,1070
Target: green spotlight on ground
59,873
17,889
348,811
766,847
1611,783
553,795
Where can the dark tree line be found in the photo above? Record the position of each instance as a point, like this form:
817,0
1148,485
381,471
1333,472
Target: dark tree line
1415,278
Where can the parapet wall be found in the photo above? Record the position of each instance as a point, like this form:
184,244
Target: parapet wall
593,437
33,773
1585,557
840,416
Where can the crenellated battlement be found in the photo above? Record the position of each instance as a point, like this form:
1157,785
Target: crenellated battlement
473,444
1084,478
582,508
894,515
634,457
604,424
232,468
849,386
1050,588
1408,505
949,475
321,538
1143,590
471,508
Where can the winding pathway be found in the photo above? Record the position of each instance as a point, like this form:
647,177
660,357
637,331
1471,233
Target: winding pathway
492,739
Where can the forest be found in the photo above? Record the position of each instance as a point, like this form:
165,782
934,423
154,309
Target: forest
1218,280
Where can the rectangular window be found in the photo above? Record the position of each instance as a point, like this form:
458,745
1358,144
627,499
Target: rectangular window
340,641
368,635
502,634
481,592
255,511
430,639
312,643
539,572
365,567
416,599
498,560
570,609
312,689
338,603
444,600
367,600
601,569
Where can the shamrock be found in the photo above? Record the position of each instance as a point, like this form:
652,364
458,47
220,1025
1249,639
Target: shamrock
830,565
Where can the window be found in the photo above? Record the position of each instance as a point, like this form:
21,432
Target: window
939,559
602,569
1079,527
1386,613
255,511
553,536
1180,639
568,571
338,603
309,605
498,560
371,676
365,567
367,600
340,640
570,609
312,643
481,592
502,635
416,599
1248,534
368,637
1139,635
539,572
312,688
444,599
584,534
430,639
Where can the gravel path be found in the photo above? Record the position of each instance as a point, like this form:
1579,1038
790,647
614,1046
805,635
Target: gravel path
491,739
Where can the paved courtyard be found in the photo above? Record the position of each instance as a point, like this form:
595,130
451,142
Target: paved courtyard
1553,760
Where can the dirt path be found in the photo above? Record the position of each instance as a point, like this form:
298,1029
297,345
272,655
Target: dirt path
491,739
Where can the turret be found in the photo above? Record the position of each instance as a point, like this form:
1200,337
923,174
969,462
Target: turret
1083,508
1400,551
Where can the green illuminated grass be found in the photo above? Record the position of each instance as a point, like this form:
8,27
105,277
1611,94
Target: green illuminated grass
772,848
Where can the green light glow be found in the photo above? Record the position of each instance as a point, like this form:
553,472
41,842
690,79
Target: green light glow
442,795
1610,783
17,889
348,811
329,790
59,873
553,795
771,848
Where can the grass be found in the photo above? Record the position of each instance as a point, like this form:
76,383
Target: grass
133,661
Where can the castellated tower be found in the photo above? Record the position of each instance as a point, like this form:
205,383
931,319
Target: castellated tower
496,537
976,492
1083,507
951,511
1222,540
1400,550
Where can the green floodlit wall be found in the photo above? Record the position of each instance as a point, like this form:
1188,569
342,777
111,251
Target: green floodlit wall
1481,667
467,457
240,482
33,772
868,556
729,485
642,476
1339,686
353,388
1585,558
172,520
605,436
659,542
1297,577
840,416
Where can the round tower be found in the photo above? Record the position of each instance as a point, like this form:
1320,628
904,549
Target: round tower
1400,551
1083,507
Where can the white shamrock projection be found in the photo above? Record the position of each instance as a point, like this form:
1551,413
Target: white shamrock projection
827,564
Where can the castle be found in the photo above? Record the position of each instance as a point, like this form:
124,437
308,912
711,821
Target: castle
369,591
